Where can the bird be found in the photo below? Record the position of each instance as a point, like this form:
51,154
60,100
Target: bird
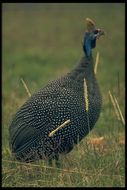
57,117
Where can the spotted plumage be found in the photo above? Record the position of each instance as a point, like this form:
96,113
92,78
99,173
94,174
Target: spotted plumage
60,101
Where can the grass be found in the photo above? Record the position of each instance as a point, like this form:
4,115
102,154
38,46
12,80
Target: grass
42,42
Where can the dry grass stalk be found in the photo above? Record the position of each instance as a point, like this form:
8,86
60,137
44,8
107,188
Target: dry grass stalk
86,95
86,102
62,125
26,88
96,63
119,110
114,105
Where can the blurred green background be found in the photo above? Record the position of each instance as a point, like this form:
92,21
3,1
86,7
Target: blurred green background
42,41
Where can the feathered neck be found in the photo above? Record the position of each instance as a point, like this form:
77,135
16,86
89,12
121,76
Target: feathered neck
84,69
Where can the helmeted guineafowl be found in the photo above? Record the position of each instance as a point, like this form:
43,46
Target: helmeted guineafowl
57,117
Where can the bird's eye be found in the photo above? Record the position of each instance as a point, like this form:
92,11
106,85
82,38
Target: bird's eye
96,31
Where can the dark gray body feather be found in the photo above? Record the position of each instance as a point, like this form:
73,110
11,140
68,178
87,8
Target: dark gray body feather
47,109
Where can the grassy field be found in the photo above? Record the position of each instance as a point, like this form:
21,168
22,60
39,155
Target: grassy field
42,42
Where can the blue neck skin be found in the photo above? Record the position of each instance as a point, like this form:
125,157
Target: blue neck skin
89,43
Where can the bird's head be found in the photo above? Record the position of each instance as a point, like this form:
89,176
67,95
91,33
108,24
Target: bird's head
91,35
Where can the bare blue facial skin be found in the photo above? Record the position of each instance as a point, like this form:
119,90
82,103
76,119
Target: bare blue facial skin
89,42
